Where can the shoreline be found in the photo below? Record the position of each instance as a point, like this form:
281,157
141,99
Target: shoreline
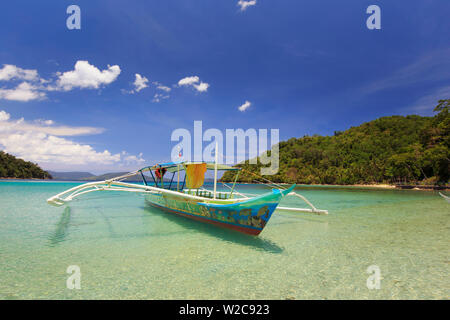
374,186
37,179
381,186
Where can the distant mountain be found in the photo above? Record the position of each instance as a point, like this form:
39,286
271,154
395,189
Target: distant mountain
12,167
87,176
70,176
106,176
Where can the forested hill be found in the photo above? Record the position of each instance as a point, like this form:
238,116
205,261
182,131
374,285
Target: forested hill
411,149
12,167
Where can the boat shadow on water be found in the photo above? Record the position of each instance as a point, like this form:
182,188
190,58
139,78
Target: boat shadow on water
59,235
60,232
223,234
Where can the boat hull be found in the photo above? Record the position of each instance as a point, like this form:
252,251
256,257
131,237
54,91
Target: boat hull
249,216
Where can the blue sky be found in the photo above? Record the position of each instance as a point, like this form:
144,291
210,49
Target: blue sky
306,67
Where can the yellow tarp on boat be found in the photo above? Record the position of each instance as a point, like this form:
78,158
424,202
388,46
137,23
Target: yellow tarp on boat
195,175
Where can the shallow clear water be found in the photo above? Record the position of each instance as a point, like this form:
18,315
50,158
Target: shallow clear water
128,251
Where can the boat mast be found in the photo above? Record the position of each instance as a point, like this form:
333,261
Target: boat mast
178,181
215,169
178,169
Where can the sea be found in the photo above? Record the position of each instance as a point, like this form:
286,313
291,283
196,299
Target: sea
373,244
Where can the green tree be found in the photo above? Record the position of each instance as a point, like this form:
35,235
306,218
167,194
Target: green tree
12,167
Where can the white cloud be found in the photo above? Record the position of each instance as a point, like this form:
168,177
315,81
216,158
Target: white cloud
245,4
43,148
140,82
159,96
188,81
23,92
161,87
245,106
194,82
9,72
86,75
4,116
130,159
164,88
202,87
42,143
45,122
43,126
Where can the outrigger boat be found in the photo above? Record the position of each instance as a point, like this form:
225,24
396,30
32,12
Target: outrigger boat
234,210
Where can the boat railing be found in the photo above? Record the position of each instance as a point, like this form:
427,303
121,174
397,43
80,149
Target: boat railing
209,194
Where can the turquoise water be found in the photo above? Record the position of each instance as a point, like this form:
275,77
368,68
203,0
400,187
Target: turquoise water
128,251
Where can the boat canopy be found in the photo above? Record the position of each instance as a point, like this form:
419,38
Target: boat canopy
223,167
180,166
195,172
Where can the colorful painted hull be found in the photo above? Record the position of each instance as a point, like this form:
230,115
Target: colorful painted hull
249,216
